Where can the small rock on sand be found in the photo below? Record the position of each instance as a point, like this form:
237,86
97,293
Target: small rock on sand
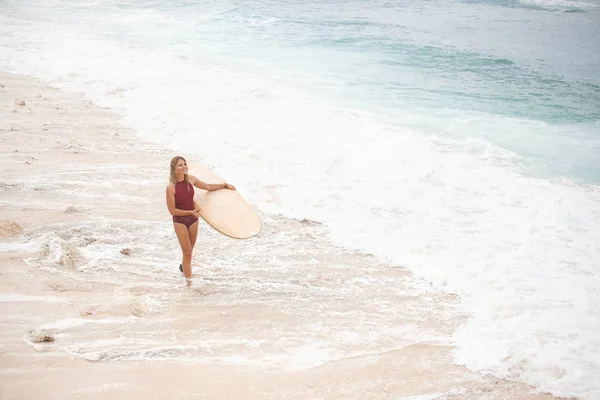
40,335
98,356
20,103
70,255
9,228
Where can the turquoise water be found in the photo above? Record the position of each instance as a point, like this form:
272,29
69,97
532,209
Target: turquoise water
432,65
470,69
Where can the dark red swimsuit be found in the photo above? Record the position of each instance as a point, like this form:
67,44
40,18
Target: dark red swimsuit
184,200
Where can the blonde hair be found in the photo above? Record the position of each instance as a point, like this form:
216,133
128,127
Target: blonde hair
173,173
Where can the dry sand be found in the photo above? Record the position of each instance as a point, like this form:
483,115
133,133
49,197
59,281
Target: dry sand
44,130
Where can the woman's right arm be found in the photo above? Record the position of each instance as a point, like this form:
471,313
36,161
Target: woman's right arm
171,204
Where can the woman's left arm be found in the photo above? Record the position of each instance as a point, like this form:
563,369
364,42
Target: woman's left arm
210,186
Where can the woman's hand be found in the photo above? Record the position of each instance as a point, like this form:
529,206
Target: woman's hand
195,213
229,186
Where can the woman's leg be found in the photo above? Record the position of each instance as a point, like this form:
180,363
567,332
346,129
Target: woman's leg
193,231
186,247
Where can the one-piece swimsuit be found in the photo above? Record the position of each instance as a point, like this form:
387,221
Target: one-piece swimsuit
184,200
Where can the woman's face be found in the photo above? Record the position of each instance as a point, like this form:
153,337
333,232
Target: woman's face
181,167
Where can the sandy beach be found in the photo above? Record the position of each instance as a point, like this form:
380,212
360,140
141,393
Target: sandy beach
88,254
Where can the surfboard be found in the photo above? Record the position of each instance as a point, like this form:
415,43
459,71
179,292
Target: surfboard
225,210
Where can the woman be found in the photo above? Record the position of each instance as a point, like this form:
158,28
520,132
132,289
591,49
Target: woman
180,202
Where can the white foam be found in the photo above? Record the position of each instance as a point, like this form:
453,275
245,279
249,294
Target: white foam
432,396
18,247
309,356
563,4
22,298
68,323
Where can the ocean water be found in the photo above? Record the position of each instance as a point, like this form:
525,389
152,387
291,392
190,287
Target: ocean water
457,139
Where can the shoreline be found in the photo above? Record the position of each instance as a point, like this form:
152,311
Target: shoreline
67,163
